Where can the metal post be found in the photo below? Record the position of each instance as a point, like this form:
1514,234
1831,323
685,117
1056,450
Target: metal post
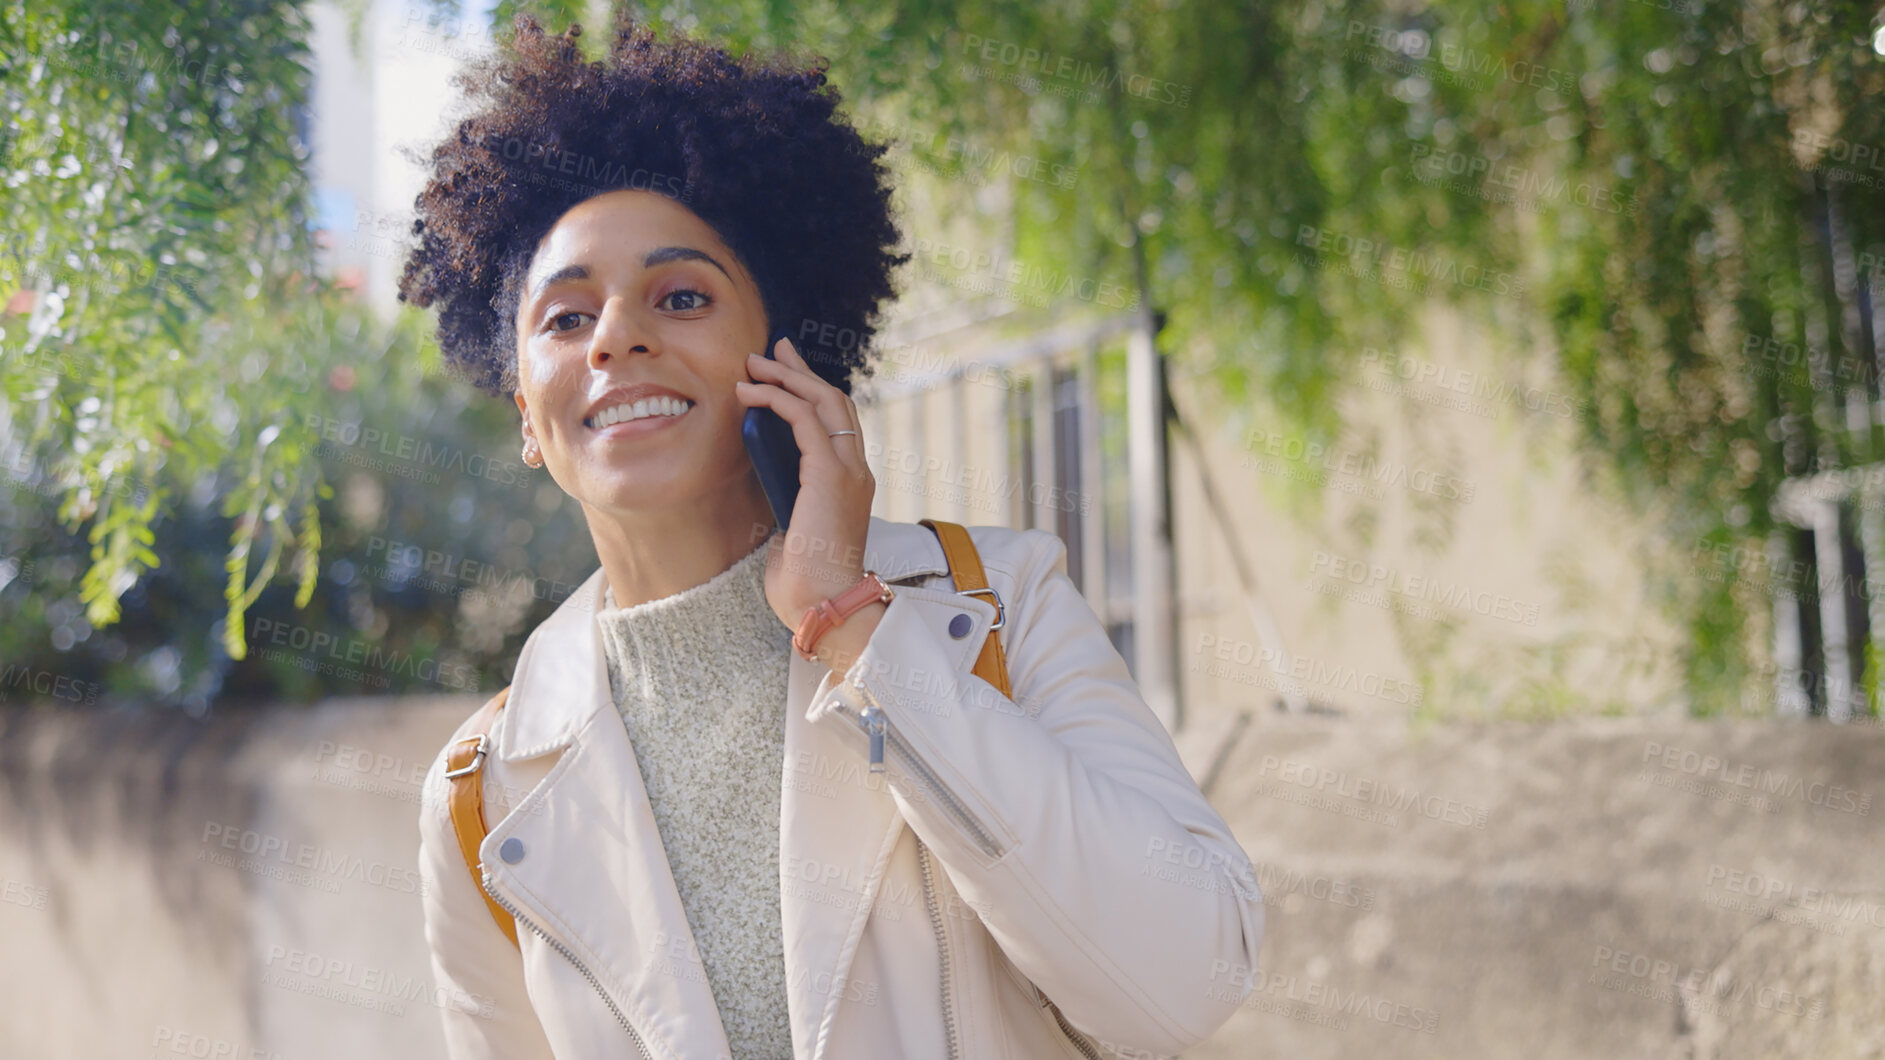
1042,517
1872,544
1092,484
1152,606
1831,560
1790,699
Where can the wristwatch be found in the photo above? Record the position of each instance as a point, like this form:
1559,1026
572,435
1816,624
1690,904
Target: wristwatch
828,614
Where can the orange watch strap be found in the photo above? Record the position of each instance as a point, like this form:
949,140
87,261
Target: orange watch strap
466,758
828,614
965,567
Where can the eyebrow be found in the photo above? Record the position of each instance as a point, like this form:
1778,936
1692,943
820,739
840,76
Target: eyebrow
658,256
663,255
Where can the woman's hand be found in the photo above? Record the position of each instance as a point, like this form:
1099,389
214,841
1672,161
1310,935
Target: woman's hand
822,554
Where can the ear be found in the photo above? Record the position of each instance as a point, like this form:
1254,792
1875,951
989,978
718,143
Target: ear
523,411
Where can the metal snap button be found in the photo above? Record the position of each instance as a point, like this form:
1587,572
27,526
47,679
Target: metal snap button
511,850
960,625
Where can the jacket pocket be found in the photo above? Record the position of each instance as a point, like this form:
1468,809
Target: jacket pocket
990,841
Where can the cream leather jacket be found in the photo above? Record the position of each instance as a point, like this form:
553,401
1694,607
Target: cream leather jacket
1029,878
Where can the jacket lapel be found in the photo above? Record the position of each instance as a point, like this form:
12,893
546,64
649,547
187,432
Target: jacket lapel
594,872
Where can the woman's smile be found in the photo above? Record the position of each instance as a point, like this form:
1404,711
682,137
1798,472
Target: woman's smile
630,412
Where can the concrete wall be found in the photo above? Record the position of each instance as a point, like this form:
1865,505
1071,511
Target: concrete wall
1601,888
1505,907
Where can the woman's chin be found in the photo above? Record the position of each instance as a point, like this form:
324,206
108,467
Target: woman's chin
634,490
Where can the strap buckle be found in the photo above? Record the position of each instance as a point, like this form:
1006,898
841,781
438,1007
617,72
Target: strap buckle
477,759
1001,613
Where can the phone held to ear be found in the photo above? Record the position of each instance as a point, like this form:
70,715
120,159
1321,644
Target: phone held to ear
775,453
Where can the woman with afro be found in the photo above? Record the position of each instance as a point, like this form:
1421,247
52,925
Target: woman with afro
846,789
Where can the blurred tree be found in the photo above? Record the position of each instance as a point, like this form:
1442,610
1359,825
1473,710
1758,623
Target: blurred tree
181,387
1669,190
158,277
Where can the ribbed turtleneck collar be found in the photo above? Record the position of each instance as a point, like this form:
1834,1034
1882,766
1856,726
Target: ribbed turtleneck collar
717,626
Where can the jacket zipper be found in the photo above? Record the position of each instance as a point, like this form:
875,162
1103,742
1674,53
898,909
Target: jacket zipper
878,729
640,1046
942,949
1079,1040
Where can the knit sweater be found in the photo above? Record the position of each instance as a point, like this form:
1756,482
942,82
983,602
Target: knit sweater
700,680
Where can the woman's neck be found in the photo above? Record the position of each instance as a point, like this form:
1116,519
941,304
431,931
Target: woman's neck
647,555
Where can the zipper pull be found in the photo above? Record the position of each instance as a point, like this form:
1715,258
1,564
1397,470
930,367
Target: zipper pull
875,723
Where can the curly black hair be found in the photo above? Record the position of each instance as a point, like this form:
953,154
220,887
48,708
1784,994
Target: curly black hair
752,145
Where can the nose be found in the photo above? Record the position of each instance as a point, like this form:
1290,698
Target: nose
620,329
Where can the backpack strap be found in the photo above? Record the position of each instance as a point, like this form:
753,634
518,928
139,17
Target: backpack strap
464,768
965,568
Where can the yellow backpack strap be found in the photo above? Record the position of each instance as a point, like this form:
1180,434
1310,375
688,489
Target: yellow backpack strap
965,567
464,768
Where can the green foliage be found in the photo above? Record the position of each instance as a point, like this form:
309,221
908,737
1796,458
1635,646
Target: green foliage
1659,185
174,373
1649,182
151,338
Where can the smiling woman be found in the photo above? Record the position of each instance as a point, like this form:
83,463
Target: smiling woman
744,746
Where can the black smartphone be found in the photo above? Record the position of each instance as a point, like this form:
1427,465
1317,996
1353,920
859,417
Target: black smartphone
775,453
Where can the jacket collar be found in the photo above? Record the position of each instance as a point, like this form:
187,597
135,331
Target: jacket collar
562,677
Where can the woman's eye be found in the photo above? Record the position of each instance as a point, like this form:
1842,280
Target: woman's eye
685,299
566,321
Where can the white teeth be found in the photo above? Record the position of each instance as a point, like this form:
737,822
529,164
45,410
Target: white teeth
655,406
